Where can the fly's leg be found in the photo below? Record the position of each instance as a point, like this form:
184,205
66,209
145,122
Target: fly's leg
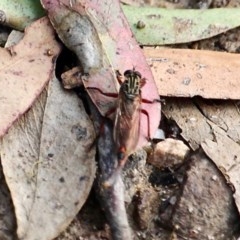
148,122
120,77
153,101
114,95
146,113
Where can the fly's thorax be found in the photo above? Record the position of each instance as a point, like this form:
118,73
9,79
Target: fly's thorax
132,84
128,104
128,96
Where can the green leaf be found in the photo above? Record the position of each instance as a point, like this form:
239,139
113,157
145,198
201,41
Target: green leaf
20,13
171,26
162,26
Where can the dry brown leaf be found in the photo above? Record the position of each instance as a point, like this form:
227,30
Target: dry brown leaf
188,73
48,163
25,70
225,114
193,124
225,153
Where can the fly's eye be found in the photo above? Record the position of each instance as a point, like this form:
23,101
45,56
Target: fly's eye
138,74
128,72
126,84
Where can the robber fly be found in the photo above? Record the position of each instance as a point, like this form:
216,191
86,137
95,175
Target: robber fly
128,113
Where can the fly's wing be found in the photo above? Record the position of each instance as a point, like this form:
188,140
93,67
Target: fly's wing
127,123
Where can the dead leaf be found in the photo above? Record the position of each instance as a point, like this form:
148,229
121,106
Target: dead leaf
25,70
188,73
48,163
72,78
14,38
107,34
225,114
76,30
187,116
226,154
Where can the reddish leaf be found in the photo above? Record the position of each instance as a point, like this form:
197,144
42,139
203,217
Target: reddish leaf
98,33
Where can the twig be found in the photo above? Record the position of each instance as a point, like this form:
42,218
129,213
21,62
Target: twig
111,198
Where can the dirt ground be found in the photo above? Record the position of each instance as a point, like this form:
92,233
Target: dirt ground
184,196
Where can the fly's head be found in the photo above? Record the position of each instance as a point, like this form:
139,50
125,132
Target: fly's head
131,84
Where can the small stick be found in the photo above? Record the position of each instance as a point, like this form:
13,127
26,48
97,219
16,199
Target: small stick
111,198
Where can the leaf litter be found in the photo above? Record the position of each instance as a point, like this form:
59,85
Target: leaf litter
188,233
47,159
48,163
196,146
